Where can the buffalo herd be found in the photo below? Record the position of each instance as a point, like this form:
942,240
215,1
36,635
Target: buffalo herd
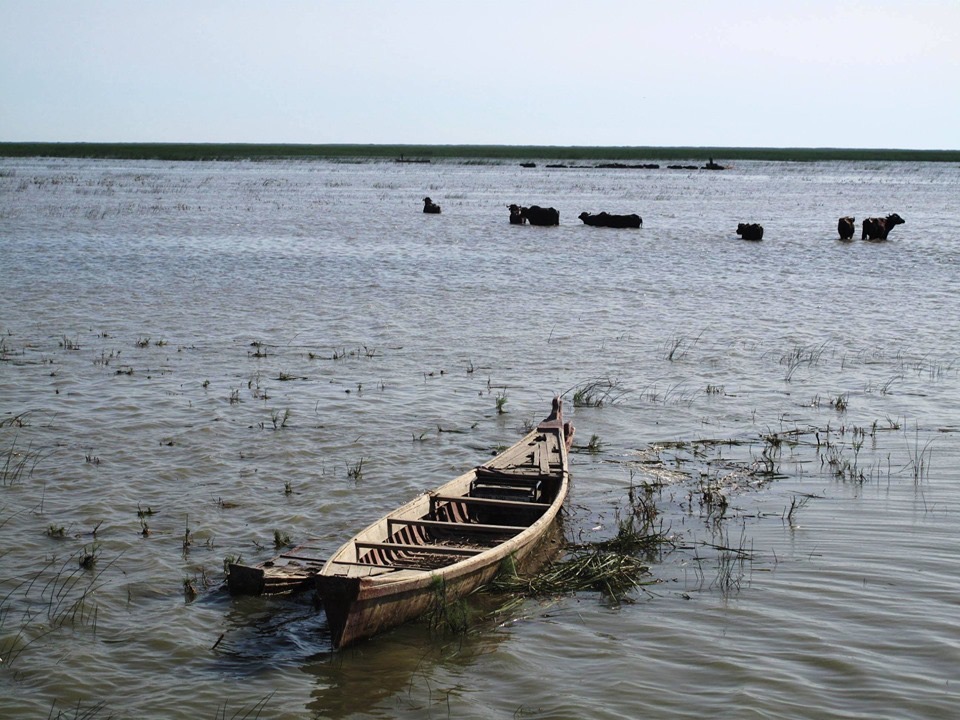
873,228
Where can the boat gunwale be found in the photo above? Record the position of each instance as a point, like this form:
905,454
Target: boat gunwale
359,606
548,515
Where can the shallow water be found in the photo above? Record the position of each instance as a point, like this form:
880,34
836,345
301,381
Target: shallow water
221,343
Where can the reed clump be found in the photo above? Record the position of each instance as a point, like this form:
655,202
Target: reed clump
597,393
614,574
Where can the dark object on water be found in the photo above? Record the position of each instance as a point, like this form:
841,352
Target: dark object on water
423,161
430,207
535,215
682,167
845,227
528,164
446,543
624,166
750,231
713,166
604,219
879,228
293,571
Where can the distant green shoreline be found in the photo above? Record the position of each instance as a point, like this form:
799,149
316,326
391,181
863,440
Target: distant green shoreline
467,153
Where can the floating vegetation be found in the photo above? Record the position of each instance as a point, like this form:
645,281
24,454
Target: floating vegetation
613,574
280,539
612,567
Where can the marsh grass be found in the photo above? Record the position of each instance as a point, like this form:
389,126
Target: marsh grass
18,464
919,456
454,616
613,574
249,711
355,471
597,393
797,503
800,356
78,712
614,567
56,597
729,562
467,153
678,347
595,445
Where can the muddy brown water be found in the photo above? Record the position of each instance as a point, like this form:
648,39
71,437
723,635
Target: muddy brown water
211,348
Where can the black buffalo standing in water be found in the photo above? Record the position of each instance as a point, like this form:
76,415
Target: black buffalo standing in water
430,207
750,231
604,219
535,215
879,228
845,227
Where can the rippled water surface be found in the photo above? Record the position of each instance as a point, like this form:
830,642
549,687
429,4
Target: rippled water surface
195,356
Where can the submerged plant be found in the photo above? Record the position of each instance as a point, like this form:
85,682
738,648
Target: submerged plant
449,614
919,457
355,471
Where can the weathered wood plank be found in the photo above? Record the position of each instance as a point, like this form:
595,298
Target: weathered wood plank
458,527
431,549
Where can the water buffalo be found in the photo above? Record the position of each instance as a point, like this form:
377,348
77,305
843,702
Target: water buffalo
430,207
604,219
750,231
845,227
516,216
879,228
536,215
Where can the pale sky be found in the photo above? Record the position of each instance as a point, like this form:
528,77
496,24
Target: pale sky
836,73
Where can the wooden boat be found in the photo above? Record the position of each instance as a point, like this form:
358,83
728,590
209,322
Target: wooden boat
448,542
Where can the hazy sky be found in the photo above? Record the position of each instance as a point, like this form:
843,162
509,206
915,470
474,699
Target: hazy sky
837,73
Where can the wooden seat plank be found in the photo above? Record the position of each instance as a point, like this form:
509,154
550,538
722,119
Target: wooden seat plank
459,526
490,502
432,549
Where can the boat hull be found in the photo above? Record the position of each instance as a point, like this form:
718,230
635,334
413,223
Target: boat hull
405,564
